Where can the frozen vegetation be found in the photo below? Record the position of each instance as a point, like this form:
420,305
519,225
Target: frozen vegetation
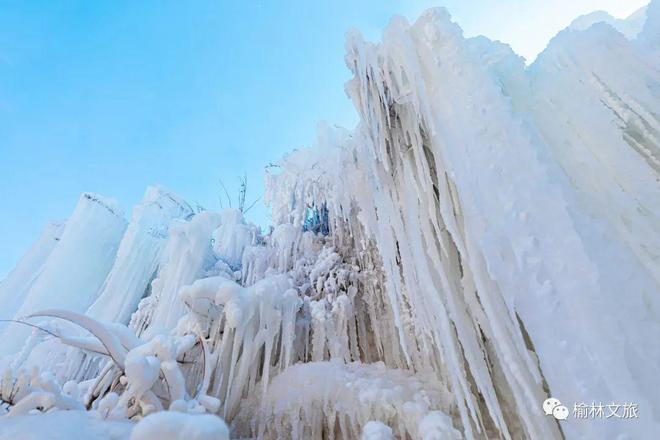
486,237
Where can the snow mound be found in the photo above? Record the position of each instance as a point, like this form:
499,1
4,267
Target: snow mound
168,425
377,431
64,425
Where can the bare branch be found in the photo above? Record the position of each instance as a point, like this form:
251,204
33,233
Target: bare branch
226,192
31,325
250,207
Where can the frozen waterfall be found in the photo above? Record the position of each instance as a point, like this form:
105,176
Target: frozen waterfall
488,236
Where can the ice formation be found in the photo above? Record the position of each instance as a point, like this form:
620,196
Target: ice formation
87,248
14,288
138,255
488,236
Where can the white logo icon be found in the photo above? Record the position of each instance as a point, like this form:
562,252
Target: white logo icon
549,404
560,412
552,406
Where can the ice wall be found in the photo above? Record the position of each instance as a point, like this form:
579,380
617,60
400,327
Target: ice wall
14,288
76,268
485,238
515,211
629,27
138,255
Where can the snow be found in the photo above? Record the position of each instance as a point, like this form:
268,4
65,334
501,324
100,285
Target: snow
376,431
487,237
67,425
177,426
63,425
437,426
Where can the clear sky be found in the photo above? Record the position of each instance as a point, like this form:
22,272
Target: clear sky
111,96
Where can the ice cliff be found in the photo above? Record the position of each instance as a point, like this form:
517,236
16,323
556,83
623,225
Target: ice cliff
486,237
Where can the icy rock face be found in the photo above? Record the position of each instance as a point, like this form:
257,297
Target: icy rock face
605,131
428,209
138,255
75,270
630,27
14,288
649,38
514,210
487,237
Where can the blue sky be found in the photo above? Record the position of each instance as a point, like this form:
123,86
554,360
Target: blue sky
110,97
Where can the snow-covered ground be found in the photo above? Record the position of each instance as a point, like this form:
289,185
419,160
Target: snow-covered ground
486,238
63,425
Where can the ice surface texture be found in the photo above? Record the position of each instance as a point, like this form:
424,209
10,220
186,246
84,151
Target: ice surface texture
486,237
